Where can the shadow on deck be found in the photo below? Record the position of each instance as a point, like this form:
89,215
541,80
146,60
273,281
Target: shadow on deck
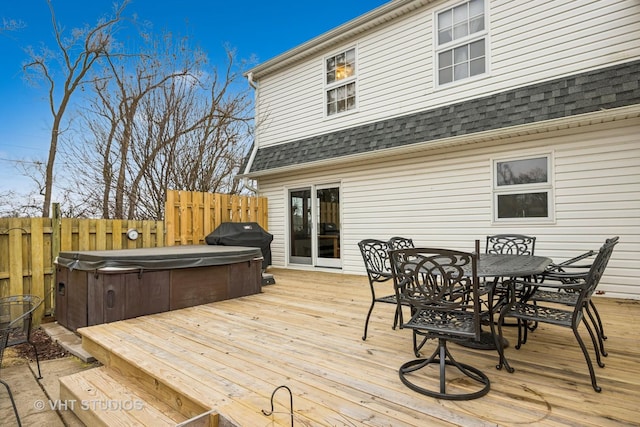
305,332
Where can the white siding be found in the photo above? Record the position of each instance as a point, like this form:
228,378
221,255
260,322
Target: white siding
443,198
530,41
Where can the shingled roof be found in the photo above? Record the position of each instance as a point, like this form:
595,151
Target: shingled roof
607,88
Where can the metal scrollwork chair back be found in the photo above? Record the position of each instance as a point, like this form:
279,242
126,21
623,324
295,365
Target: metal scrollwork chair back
398,242
442,288
510,244
16,321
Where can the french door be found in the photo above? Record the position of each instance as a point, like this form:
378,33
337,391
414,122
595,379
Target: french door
314,226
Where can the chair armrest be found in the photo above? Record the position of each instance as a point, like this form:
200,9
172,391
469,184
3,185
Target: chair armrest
565,278
571,263
577,258
558,281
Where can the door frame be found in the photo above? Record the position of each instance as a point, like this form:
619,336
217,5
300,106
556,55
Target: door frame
314,260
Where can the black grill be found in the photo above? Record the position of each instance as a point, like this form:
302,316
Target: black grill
248,234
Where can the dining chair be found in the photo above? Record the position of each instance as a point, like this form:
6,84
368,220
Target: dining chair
375,254
570,273
16,321
525,311
506,244
441,286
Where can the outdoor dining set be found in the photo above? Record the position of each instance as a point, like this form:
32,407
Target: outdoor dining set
468,298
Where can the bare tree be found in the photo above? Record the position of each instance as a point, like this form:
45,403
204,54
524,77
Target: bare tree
163,121
74,57
201,140
11,25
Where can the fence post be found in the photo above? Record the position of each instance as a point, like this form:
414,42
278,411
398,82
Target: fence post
56,242
55,232
16,269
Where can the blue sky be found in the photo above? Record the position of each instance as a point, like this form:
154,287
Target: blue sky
261,28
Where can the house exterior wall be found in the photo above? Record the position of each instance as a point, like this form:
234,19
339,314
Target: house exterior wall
528,42
416,160
443,198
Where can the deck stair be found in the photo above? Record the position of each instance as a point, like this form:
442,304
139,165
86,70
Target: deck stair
127,391
104,397
101,396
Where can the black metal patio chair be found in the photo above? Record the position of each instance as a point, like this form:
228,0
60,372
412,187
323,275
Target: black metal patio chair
571,273
375,254
506,244
445,306
528,311
16,321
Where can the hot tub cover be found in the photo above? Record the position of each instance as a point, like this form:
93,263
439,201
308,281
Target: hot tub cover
167,257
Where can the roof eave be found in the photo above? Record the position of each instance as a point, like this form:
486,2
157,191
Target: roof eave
587,119
378,16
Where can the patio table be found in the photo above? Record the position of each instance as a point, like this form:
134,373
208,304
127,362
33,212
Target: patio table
495,266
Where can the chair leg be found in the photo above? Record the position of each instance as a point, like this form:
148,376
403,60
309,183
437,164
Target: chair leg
443,357
595,311
13,402
521,339
597,325
417,347
35,350
499,343
588,359
366,322
594,340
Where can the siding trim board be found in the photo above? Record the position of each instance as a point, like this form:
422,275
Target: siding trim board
590,92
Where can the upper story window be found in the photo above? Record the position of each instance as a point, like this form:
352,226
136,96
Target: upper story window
461,42
522,189
340,81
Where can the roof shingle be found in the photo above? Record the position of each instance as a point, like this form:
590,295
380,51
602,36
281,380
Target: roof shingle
606,88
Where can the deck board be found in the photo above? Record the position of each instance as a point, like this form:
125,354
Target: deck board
305,332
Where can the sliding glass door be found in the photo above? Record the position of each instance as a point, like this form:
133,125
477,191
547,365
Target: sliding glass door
300,226
314,226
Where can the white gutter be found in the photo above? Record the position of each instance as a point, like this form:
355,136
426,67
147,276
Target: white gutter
252,83
245,178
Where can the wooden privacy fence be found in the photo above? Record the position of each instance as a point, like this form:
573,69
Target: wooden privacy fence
29,246
191,216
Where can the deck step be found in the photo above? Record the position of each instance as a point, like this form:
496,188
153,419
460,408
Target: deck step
101,396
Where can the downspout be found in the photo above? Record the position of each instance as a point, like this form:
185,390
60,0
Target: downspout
245,179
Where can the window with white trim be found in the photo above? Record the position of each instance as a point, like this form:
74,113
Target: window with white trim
461,43
340,82
522,189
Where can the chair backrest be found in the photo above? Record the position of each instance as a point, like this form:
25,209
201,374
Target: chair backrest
510,244
16,318
375,254
438,279
596,271
398,242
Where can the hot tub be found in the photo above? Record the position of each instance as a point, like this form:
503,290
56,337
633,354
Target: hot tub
96,287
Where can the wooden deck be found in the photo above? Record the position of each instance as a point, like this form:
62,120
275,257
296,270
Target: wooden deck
305,332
